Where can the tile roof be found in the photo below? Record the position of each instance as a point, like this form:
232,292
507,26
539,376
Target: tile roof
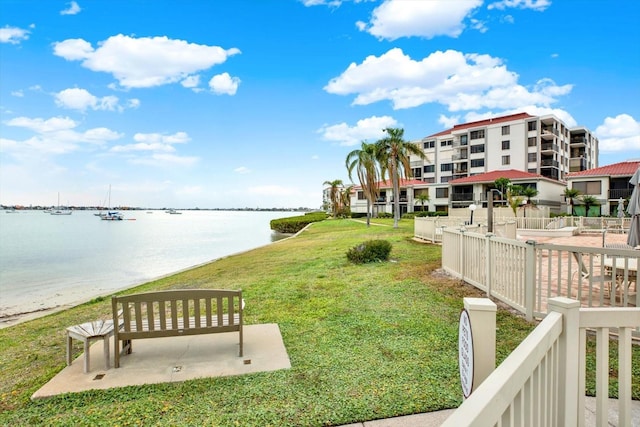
491,176
626,168
481,123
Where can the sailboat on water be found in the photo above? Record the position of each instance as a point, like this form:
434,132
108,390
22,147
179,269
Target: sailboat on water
60,210
110,215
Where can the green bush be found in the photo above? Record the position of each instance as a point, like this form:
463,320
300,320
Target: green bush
370,251
294,224
384,215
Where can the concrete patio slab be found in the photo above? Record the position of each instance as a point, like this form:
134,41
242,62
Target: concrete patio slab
165,360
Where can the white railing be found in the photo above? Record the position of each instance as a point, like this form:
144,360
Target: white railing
526,275
540,383
430,229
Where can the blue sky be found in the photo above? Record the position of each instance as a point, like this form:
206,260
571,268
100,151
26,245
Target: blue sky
216,104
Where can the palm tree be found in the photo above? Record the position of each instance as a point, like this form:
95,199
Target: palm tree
393,154
364,160
334,195
345,201
588,202
502,184
571,194
422,198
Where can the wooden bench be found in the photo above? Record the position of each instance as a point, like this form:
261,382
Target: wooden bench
175,313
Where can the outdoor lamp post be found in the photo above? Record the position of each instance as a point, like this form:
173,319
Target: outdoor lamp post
472,207
524,208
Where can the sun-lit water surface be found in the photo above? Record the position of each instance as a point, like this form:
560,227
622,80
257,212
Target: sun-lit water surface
48,260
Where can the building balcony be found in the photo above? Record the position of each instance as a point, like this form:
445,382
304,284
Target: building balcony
462,197
459,156
577,164
615,194
548,146
578,140
549,162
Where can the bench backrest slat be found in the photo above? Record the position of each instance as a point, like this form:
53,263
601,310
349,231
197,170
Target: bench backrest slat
150,315
178,310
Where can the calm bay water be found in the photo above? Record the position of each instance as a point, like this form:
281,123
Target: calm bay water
47,261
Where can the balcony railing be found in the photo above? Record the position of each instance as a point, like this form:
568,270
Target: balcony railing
617,193
462,197
549,162
549,147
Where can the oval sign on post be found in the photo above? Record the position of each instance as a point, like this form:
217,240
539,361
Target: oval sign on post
465,353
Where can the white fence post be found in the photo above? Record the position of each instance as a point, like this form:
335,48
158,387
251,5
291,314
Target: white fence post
482,315
568,369
488,263
530,279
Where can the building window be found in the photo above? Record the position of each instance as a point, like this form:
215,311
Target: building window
428,144
477,163
588,187
532,142
463,139
532,170
429,168
445,179
506,160
506,130
446,143
477,134
506,145
429,180
532,126
532,157
477,148
442,193
445,167
417,172
361,195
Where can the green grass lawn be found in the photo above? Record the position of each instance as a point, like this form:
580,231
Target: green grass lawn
365,341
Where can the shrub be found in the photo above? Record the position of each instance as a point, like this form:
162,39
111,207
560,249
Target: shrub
294,224
370,251
384,215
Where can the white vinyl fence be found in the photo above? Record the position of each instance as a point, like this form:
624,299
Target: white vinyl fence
525,275
542,383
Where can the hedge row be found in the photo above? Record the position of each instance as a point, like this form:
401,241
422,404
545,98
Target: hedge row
294,224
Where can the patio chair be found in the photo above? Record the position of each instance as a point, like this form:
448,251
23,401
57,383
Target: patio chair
601,280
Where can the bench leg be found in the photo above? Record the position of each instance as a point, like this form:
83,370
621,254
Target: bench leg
107,363
69,348
241,350
86,356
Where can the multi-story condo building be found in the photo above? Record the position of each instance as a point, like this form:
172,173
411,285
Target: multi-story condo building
541,145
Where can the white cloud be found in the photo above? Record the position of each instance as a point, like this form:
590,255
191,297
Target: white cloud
146,61
13,35
620,133
81,99
366,129
538,5
73,9
17,94
191,82
451,78
164,160
224,84
242,170
56,135
39,125
153,142
397,18
448,122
